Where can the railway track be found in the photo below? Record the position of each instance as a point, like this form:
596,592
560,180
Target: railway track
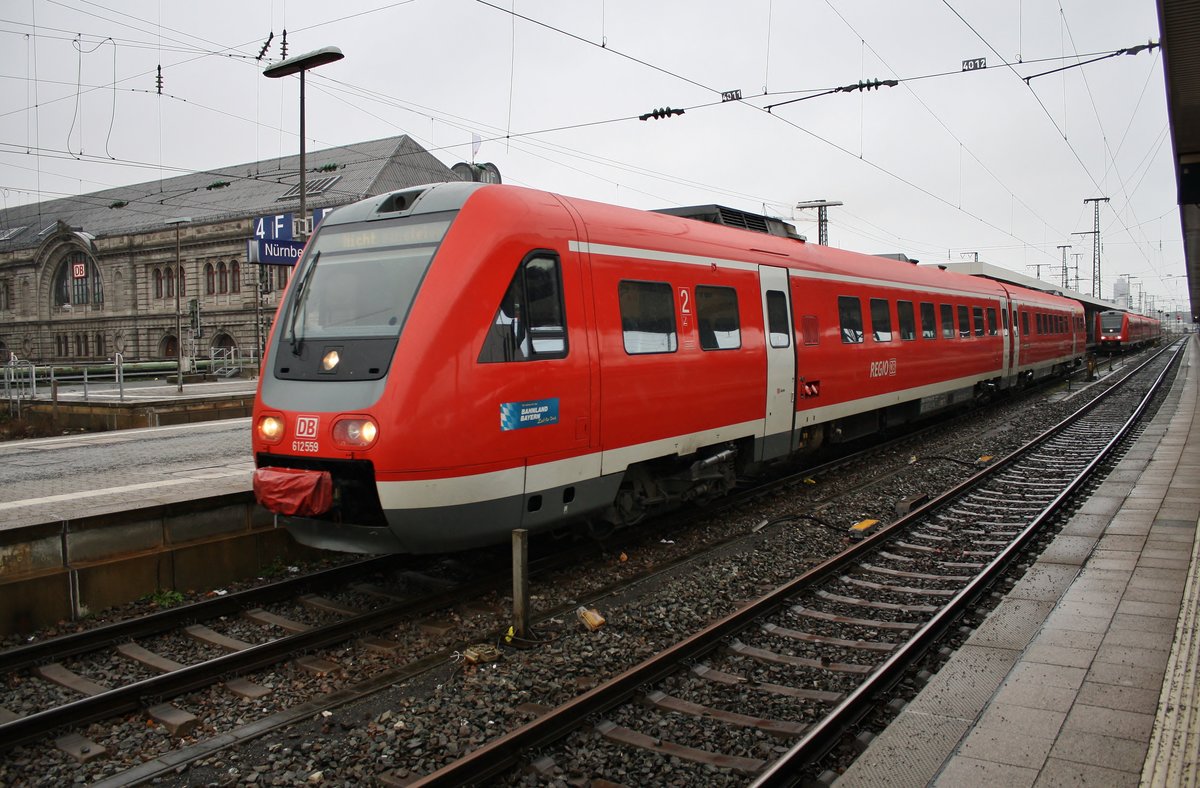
763,693
178,650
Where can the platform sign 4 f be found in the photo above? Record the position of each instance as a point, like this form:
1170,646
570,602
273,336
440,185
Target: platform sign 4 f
277,227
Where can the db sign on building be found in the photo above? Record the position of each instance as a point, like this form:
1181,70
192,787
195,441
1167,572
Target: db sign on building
79,270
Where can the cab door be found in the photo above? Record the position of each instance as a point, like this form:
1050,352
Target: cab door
781,362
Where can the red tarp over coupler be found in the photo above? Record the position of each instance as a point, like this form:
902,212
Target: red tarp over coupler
293,491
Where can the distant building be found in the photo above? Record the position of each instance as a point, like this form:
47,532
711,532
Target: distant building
1121,293
84,277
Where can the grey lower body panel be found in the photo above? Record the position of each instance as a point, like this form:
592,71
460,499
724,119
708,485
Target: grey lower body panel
462,527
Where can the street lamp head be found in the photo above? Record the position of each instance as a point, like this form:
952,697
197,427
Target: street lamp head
294,65
178,220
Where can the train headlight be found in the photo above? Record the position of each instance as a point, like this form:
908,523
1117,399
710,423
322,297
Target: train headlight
330,361
270,428
355,433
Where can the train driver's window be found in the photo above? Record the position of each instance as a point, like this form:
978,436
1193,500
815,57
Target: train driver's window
964,322
977,313
881,320
850,317
947,321
993,329
928,321
1024,324
717,318
908,322
529,324
647,317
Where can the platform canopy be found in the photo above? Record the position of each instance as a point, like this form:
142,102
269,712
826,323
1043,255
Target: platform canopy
1179,23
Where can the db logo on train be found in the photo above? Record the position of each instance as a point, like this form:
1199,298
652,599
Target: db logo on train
306,426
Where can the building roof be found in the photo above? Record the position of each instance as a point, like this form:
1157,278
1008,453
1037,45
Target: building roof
335,176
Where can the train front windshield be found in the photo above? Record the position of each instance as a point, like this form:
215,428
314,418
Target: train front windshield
359,280
1110,322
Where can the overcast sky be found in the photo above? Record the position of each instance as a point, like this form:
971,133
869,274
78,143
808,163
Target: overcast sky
945,164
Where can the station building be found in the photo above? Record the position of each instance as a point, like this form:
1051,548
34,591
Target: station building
85,277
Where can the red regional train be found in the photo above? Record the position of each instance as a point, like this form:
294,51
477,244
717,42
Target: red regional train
457,360
1117,331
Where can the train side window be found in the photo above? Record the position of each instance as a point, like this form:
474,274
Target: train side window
1004,319
1041,323
928,321
947,321
964,322
908,323
993,330
850,317
1024,324
977,313
647,317
717,318
529,324
881,320
778,326
810,330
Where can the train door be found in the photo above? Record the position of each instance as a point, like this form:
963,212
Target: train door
1014,354
781,362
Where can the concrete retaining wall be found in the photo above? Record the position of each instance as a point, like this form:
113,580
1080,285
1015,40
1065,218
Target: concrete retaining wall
69,569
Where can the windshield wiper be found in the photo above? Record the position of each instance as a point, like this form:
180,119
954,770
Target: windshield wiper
298,304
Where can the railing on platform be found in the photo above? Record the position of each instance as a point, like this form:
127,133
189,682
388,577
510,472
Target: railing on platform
24,380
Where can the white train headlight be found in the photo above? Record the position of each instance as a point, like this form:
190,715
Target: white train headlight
355,433
270,428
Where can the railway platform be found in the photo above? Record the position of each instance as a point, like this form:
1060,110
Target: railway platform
1086,672
88,521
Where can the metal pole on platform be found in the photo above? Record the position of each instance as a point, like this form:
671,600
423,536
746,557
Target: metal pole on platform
520,560
178,316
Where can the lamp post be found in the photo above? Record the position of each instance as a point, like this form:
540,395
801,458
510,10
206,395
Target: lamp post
298,65
178,317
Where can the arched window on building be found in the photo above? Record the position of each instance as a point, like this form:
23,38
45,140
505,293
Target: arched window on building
222,277
77,282
158,283
169,280
281,276
210,279
235,277
99,344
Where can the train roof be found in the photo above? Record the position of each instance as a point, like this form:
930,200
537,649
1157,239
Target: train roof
989,271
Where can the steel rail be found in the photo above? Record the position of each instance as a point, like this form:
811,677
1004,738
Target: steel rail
502,753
